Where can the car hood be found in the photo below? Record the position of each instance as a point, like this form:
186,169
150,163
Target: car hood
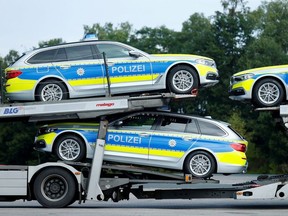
178,57
265,70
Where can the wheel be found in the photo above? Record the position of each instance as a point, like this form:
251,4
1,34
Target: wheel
70,148
55,188
51,90
182,79
267,93
200,164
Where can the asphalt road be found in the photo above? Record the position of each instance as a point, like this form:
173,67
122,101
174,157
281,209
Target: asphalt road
135,207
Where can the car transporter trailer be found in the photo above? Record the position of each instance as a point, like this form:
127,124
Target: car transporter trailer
59,184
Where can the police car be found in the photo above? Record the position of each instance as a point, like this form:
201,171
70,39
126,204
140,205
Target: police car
75,70
264,87
199,146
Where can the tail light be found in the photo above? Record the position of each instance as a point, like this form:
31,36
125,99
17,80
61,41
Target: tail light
239,147
13,74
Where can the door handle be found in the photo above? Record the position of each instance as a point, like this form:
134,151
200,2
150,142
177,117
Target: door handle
65,67
187,138
144,135
110,64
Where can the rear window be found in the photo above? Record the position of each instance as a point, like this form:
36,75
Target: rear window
211,129
63,54
43,57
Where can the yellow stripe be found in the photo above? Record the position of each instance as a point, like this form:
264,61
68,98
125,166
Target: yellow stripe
120,79
235,157
126,149
135,78
16,85
154,152
166,153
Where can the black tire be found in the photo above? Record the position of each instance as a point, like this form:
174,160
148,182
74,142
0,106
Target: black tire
200,164
70,148
55,188
182,79
267,93
51,90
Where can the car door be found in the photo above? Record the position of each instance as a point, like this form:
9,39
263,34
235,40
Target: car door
171,139
129,138
126,70
82,70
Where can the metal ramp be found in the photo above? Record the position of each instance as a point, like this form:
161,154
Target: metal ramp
282,112
84,108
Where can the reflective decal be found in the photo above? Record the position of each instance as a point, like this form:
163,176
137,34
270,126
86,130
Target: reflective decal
172,143
80,71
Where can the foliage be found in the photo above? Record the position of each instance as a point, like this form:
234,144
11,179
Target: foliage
236,38
51,42
120,33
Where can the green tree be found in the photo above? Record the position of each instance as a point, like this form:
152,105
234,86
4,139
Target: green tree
120,33
16,140
197,36
12,56
154,40
273,21
51,42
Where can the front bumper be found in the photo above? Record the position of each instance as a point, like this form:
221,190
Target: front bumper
241,90
210,79
41,145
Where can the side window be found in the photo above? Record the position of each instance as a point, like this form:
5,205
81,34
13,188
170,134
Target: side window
60,55
139,122
208,128
79,53
113,51
174,124
192,127
43,57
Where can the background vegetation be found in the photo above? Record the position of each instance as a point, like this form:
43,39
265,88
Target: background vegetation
236,38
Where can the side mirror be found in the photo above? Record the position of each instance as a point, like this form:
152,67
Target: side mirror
118,124
134,54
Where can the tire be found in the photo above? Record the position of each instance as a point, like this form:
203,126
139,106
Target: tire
51,90
200,164
182,79
70,148
267,93
55,188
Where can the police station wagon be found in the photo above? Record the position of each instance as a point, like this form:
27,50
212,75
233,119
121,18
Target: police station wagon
198,146
75,70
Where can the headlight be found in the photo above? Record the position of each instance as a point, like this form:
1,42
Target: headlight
45,130
207,62
242,77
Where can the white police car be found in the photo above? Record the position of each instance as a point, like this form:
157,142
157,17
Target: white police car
75,70
199,146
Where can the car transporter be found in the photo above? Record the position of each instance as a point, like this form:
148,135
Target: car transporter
59,184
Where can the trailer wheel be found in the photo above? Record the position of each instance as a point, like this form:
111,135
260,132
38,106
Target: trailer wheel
55,188
200,164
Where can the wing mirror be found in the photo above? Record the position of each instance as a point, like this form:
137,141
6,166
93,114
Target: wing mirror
118,124
134,54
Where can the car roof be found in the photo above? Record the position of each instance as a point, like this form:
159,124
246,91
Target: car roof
72,43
